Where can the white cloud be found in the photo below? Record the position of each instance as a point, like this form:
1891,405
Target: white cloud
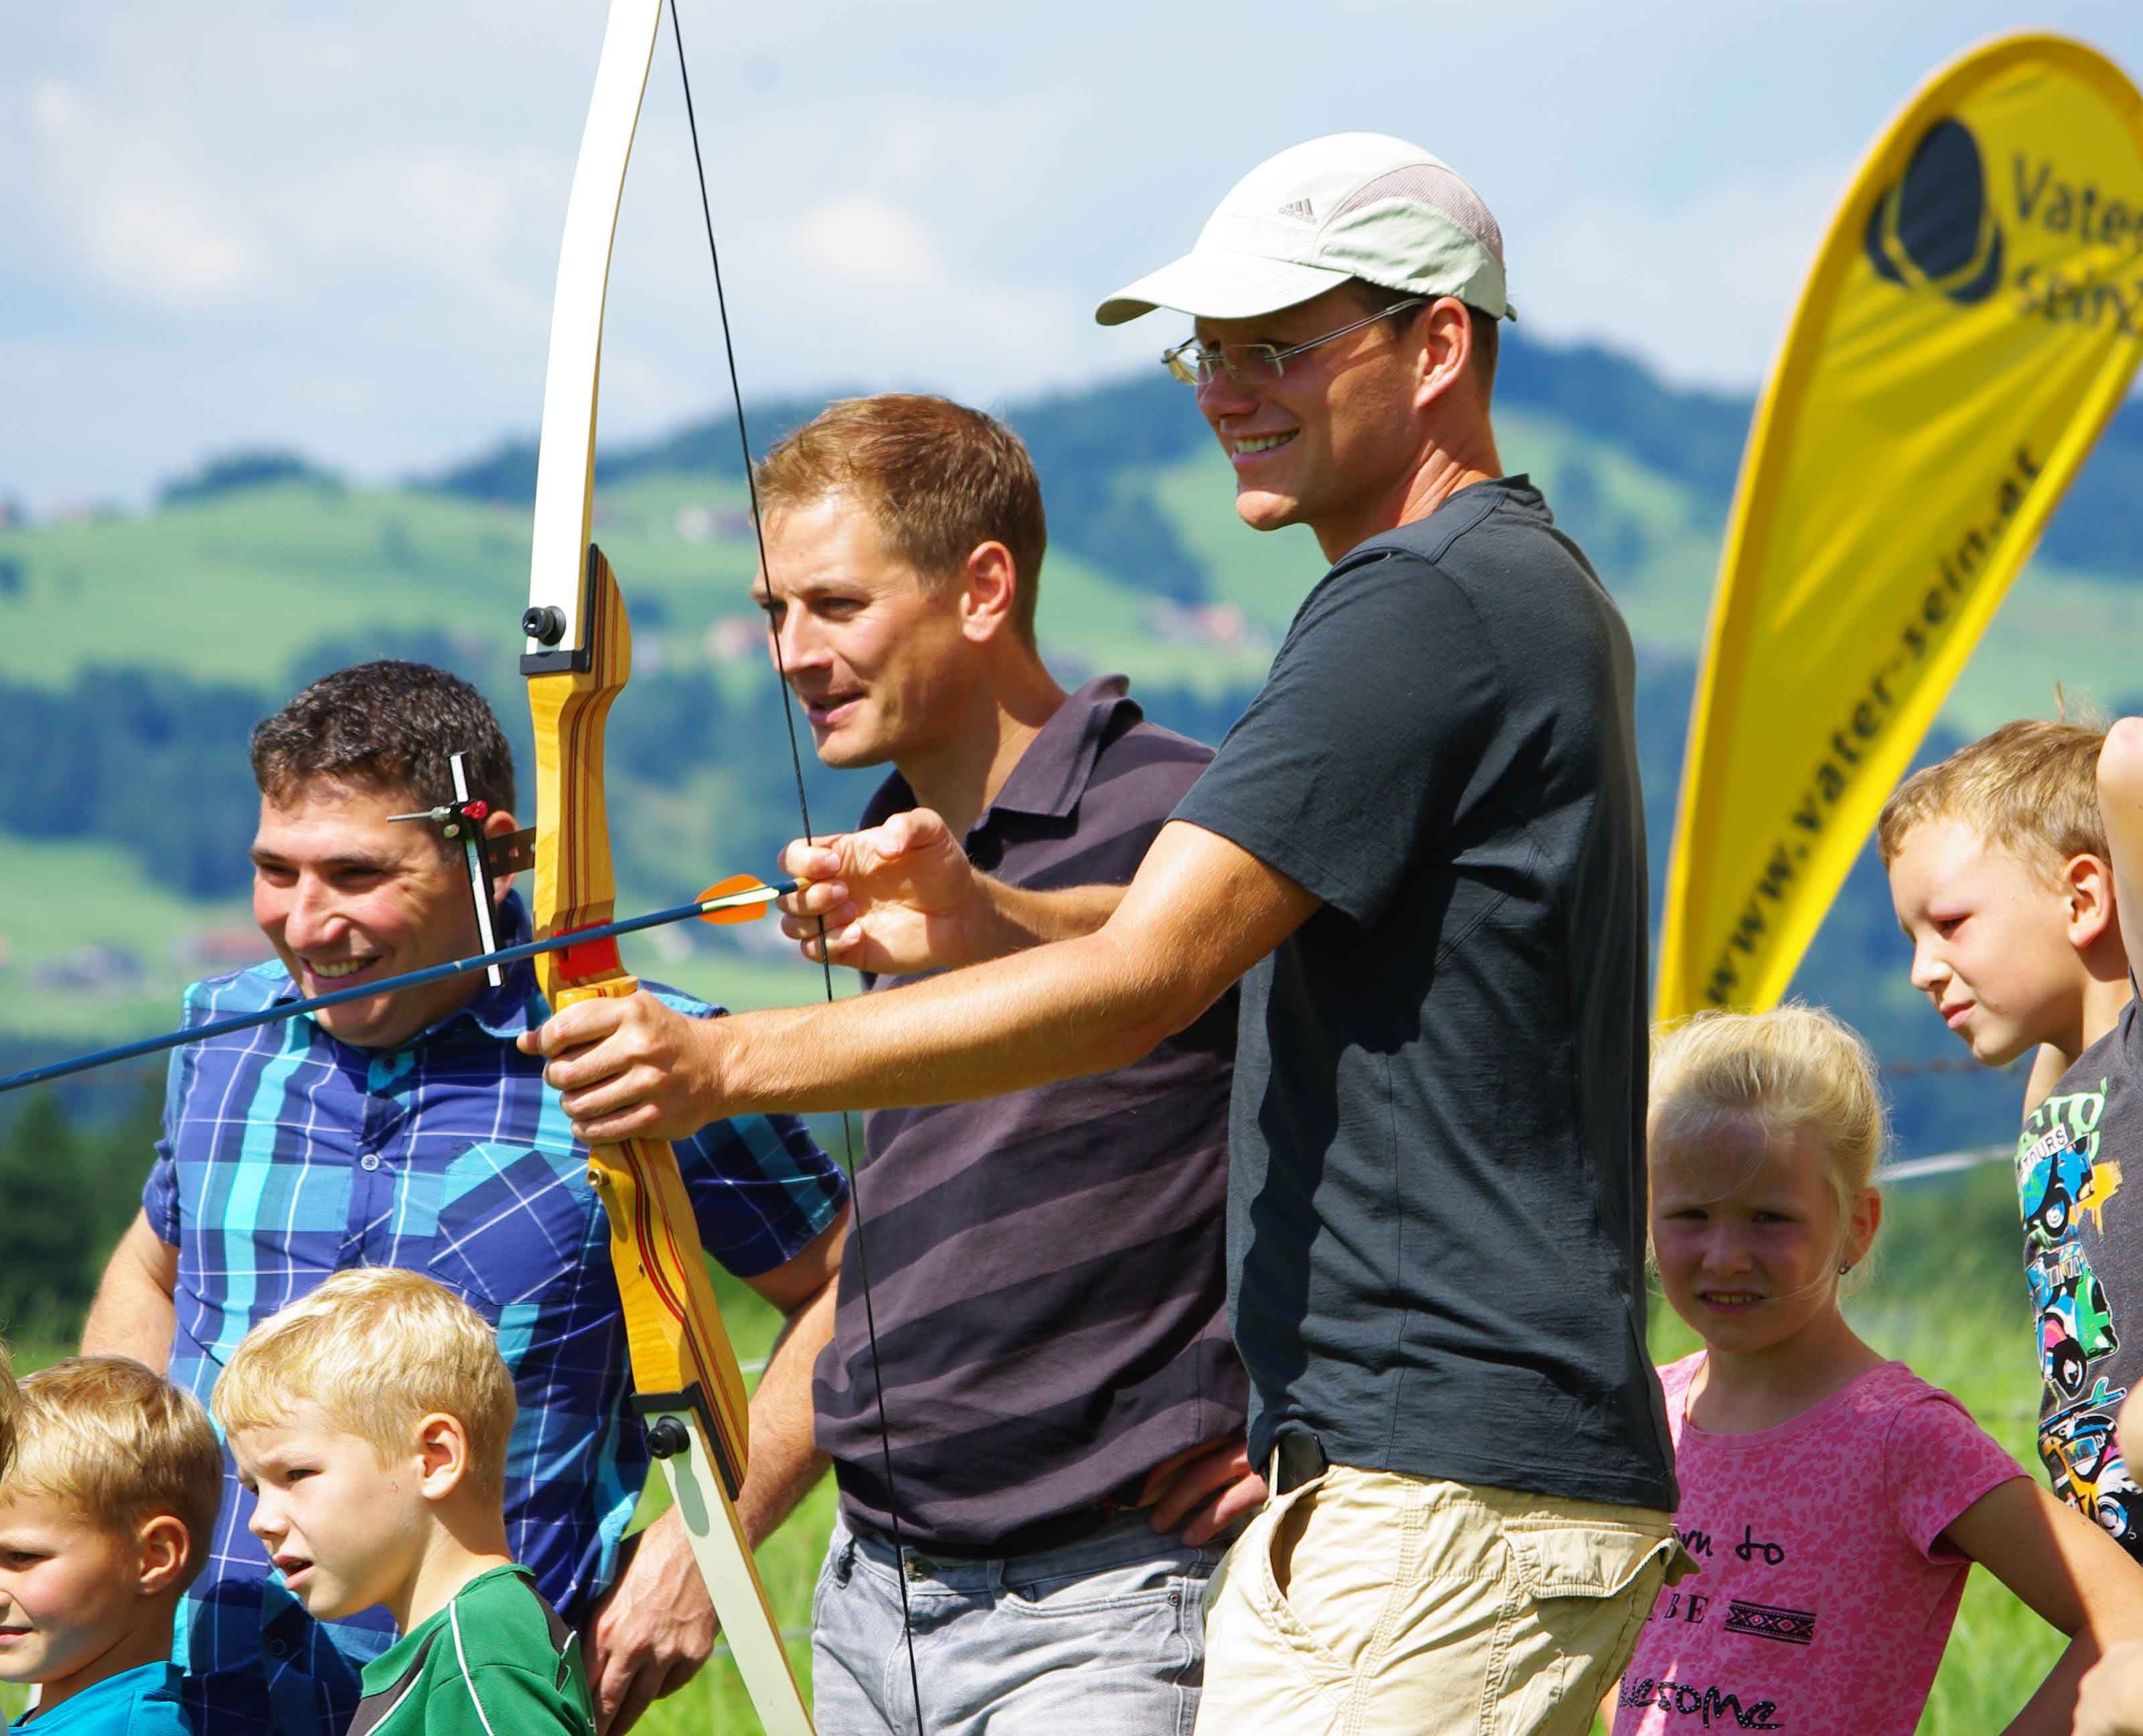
164,245
867,246
1701,289
55,108
153,227
338,227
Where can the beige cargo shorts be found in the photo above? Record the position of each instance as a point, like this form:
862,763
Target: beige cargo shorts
1365,1603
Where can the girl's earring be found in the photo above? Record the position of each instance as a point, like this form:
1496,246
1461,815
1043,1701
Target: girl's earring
1845,1268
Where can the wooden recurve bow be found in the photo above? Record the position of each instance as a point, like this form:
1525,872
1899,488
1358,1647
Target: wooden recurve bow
687,1388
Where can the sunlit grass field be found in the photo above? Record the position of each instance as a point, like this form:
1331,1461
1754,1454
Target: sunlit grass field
1948,1300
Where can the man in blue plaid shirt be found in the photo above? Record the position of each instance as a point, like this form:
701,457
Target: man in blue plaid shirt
408,1130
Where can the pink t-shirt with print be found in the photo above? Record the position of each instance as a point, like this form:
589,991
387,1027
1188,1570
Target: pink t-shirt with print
1824,1603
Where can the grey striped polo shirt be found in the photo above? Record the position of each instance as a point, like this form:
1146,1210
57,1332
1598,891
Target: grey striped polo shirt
1047,1267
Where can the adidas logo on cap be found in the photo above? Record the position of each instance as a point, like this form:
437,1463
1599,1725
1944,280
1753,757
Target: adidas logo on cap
1299,210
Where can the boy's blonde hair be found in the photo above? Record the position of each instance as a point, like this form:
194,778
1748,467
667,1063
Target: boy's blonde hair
121,1446
2031,789
377,1349
1793,1067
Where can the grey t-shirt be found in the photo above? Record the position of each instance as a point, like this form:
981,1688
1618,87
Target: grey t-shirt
2083,1264
1436,1188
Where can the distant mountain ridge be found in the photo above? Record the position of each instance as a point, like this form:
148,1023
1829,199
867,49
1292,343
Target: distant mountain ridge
1689,435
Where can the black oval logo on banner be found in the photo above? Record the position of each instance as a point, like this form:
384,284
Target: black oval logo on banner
1934,220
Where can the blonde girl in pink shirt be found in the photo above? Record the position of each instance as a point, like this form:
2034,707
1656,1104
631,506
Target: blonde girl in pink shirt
1832,1501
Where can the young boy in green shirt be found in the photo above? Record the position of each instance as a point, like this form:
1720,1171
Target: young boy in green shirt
369,1419
106,1514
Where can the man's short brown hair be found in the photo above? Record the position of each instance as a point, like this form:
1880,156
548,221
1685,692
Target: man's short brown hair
119,1445
391,726
2030,790
1488,329
939,479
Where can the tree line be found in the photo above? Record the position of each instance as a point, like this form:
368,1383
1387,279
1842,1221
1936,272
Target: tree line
699,772
72,1177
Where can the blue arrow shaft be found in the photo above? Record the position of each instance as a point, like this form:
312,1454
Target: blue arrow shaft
367,991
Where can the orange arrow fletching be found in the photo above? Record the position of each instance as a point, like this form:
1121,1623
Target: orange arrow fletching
744,898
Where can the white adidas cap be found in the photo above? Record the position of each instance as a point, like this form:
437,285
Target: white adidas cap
1350,205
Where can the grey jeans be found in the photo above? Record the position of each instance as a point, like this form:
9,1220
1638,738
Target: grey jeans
1104,1637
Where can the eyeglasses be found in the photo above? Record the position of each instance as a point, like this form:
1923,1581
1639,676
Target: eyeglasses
1256,364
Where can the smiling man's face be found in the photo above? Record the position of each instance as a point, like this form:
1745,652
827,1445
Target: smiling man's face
1331,443
345,896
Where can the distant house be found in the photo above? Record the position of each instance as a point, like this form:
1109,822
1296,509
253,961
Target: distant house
211,952
93,970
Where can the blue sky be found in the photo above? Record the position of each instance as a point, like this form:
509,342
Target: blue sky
335,226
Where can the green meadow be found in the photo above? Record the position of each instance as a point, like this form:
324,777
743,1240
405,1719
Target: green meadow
1949,1300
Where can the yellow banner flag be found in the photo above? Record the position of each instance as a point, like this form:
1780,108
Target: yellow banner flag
1972,320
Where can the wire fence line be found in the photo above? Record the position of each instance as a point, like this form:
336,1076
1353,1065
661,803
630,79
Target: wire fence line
1934,1063
789,1636
1943,1163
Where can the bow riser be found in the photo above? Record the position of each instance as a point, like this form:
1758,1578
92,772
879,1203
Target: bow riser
684,1368
678,1343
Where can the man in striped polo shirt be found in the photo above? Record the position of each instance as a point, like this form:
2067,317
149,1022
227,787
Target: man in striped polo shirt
406,1130
1064,1408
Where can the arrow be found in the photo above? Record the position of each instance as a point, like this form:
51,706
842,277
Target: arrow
741,898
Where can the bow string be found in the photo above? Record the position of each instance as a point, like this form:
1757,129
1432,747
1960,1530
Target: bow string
688,1389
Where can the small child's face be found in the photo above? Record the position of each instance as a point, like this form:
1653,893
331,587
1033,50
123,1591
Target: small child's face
1745,1231
70,1590
1990,945
345,1530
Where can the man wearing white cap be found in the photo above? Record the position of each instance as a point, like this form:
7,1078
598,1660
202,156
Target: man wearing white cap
1422,850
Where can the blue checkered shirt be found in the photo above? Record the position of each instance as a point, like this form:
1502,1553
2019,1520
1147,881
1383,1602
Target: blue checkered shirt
287,1155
